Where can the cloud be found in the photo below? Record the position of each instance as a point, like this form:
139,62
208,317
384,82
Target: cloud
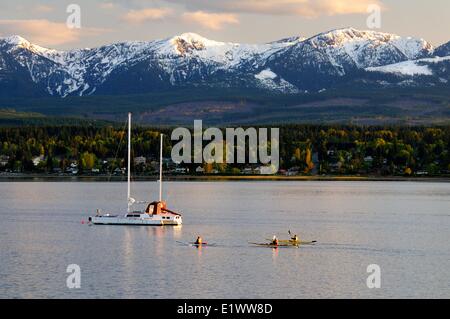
140,16
45,32
213,21
107,5
328,7
305,8
44,8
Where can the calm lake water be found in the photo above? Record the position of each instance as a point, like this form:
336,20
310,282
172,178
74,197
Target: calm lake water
403,227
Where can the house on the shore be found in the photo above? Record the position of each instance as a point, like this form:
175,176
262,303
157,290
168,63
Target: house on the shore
265,170
140,160
199,170
181,170
293,171
4,160
120,171
38,159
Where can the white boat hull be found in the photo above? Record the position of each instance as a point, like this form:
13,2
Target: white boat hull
148,220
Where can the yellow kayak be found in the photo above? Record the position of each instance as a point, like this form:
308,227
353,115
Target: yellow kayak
274,246
295,242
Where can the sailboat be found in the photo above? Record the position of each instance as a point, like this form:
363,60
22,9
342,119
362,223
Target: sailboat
156,213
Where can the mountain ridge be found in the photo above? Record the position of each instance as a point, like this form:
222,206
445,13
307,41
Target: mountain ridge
290,65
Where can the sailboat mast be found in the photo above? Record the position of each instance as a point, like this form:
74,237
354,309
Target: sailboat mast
129,160
160,168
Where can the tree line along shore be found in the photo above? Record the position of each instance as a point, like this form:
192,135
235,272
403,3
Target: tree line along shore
306,152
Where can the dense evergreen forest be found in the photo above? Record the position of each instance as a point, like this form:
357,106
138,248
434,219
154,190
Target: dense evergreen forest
304,149
362,106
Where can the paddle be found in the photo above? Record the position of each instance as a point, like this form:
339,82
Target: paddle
308,242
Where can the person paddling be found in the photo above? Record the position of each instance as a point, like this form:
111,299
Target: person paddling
275,240
199,240
294,238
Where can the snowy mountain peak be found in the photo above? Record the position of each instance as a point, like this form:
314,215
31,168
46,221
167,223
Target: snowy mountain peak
16,40
357,43
339,37
187,43
290,40
196,38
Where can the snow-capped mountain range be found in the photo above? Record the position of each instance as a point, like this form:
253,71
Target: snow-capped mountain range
291,65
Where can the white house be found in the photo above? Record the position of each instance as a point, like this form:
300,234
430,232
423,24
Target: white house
293,171
4,160
200,170
37,160
140,160
180,170
368,159
265,170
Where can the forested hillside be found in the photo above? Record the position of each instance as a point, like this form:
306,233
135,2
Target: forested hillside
304,149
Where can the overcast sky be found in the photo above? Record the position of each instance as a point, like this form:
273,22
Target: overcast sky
251,21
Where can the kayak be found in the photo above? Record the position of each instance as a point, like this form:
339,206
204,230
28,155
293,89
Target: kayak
292,242
192,244
274,246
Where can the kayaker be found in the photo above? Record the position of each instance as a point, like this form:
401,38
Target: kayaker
199,240
275,240
295,239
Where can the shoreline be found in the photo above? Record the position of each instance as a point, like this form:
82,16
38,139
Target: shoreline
220,178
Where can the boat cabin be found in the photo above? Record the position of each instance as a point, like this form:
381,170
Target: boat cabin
156,208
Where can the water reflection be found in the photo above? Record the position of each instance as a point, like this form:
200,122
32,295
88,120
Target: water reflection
403,227
275,252
177,231
199,250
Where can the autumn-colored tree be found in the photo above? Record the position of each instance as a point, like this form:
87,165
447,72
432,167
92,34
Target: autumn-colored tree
408,171
88,160
308,161
297,154
235,171
208,168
